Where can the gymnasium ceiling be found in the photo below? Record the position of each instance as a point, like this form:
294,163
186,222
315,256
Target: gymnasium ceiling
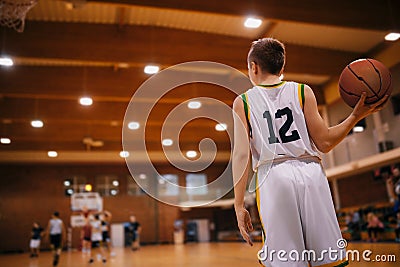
99,48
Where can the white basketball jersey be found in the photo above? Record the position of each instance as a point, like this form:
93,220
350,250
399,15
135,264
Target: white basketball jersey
276,122
96,231
55,226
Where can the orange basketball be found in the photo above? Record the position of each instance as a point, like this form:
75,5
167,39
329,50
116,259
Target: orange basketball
365,75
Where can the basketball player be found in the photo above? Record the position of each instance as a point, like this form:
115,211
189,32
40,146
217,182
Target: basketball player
134,229
97,239
56,233
279,124
86,237
105,228
35,240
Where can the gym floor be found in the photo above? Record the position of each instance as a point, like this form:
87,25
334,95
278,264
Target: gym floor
193,254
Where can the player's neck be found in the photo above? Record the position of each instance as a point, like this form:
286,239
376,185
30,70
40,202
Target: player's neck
268,80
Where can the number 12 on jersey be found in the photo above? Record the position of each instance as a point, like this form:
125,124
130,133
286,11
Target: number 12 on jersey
283,131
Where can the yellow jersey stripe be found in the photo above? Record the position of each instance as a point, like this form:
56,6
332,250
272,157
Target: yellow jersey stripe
259,207
248,107
247,111
300,92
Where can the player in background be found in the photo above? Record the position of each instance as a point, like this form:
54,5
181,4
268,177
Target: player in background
36,236
105,228
86,237
278,124
56,233
97,239
134,229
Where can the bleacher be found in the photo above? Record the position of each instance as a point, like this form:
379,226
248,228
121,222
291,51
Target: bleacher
384,211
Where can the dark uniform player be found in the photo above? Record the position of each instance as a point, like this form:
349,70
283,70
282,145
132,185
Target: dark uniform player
134,230
35,240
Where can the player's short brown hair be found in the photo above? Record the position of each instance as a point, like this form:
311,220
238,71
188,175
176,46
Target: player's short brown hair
268,54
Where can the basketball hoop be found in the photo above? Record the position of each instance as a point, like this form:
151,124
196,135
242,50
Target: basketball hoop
13,12
90,200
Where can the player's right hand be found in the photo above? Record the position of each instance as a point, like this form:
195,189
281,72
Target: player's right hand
362,110
244,224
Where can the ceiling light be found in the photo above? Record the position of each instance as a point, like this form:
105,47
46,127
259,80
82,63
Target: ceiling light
86,101
67,183
88,187
52,154
6,61
115,183
393,36
114,192
252,23
194,104
5,141
191,154
151,69
37,123
220,127
167,142
358,129
133,125
124,154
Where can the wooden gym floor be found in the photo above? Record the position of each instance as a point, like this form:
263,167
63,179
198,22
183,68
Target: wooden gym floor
192,255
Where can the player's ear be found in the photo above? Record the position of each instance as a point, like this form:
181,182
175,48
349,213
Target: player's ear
253,67
280,74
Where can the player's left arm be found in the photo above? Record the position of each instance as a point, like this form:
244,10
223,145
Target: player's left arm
240,168
326,138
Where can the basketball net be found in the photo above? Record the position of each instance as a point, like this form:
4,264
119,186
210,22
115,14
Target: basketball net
13,12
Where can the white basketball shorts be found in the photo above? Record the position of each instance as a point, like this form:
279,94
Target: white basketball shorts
298,216
35,243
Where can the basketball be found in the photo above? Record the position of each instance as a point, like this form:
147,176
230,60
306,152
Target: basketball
365,75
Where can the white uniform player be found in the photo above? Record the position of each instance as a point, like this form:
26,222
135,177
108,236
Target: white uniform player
279,121
293,195
96,231
97,238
